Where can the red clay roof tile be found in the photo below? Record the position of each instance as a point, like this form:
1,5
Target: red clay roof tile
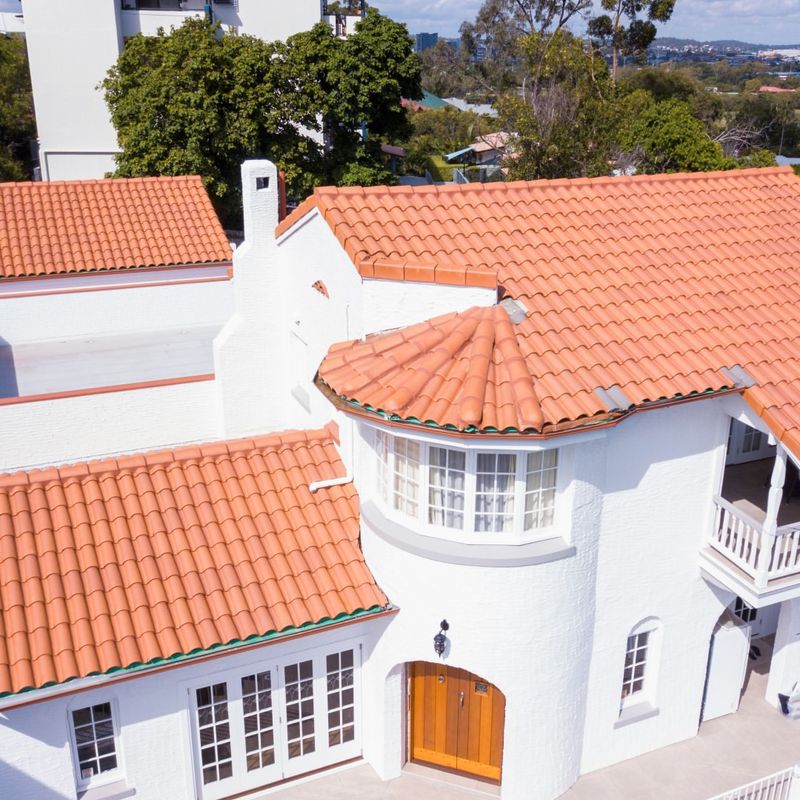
117,562
59,227
653,283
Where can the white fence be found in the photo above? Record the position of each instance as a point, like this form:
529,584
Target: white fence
778,786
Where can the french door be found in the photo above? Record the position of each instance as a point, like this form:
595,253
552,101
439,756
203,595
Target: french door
253,727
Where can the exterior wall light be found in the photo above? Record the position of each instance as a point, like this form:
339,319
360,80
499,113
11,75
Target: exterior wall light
440,640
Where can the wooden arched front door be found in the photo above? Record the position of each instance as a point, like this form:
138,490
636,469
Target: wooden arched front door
456,720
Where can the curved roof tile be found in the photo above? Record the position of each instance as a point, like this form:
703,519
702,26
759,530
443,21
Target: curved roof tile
651,283
60,227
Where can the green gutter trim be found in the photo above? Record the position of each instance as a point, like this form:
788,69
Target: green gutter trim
581,423
234,644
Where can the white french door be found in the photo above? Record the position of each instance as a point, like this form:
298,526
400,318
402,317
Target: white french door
747,444
253,727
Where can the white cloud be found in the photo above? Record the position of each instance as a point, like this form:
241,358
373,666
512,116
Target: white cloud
757,21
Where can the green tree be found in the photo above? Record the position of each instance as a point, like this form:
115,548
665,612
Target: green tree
666,137
562,123
440,131
196,101
498,31
357,84
634,38
17,125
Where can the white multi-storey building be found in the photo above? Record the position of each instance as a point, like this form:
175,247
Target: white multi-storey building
71,47
535,501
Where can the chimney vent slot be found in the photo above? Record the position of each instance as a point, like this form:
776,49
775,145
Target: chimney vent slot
262,183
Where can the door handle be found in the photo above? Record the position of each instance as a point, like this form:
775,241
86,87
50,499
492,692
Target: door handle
461,699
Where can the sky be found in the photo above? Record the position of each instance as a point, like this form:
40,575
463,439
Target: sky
758,21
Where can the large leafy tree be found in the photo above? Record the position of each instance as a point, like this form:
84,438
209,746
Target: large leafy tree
665,136
17,126
355,86
197,101
562,122
494,39
629,26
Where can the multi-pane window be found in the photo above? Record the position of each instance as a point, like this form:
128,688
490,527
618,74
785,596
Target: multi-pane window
382,443
341,698
467,490
745,612
495,477
635,664
752,440
299,690
540,489
405,485
215,732
259,725
446,490
93,728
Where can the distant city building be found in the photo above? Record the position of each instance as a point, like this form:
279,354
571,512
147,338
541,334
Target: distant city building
424,41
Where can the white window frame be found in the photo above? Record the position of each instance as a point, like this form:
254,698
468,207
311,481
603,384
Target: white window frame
468,535
324,755
101,778
647,694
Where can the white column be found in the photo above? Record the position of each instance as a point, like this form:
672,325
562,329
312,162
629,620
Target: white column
784,670
770,526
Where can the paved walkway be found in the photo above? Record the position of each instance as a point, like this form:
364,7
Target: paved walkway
728,752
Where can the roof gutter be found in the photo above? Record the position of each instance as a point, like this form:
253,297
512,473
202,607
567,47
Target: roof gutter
116,675
610,419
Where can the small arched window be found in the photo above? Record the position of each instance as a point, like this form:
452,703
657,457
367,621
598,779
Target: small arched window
639,674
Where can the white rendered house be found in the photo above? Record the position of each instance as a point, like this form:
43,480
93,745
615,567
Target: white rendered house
531,420
76,137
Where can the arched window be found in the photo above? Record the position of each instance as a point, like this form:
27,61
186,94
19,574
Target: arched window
639,674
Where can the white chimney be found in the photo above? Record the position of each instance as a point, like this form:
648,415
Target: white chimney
249,352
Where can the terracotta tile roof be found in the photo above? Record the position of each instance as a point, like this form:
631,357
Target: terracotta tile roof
651,284
57,227
119,562
367,231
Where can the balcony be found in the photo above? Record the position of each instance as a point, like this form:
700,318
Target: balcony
754,545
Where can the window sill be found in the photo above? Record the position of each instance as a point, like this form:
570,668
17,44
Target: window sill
118,790
636,713
482,553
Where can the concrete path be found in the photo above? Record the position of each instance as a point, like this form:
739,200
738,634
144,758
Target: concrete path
728,752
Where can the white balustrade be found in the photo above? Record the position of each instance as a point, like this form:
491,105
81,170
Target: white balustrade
777,786
760,553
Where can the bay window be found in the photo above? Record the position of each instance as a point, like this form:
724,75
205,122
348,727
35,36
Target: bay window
469,490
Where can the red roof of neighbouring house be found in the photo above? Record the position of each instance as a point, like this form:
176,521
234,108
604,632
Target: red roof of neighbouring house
635,290
133,560
60,227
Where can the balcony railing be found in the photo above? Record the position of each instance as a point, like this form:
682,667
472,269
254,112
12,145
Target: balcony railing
778,786
761,554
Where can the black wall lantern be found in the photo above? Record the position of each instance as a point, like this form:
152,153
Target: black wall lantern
440,640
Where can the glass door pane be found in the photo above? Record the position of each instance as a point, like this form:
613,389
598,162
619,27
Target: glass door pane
213,730
299,698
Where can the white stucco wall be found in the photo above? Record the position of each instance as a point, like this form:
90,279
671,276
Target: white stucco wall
71,115
154,718
355,307
90,426
662,470
69,314
526,629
